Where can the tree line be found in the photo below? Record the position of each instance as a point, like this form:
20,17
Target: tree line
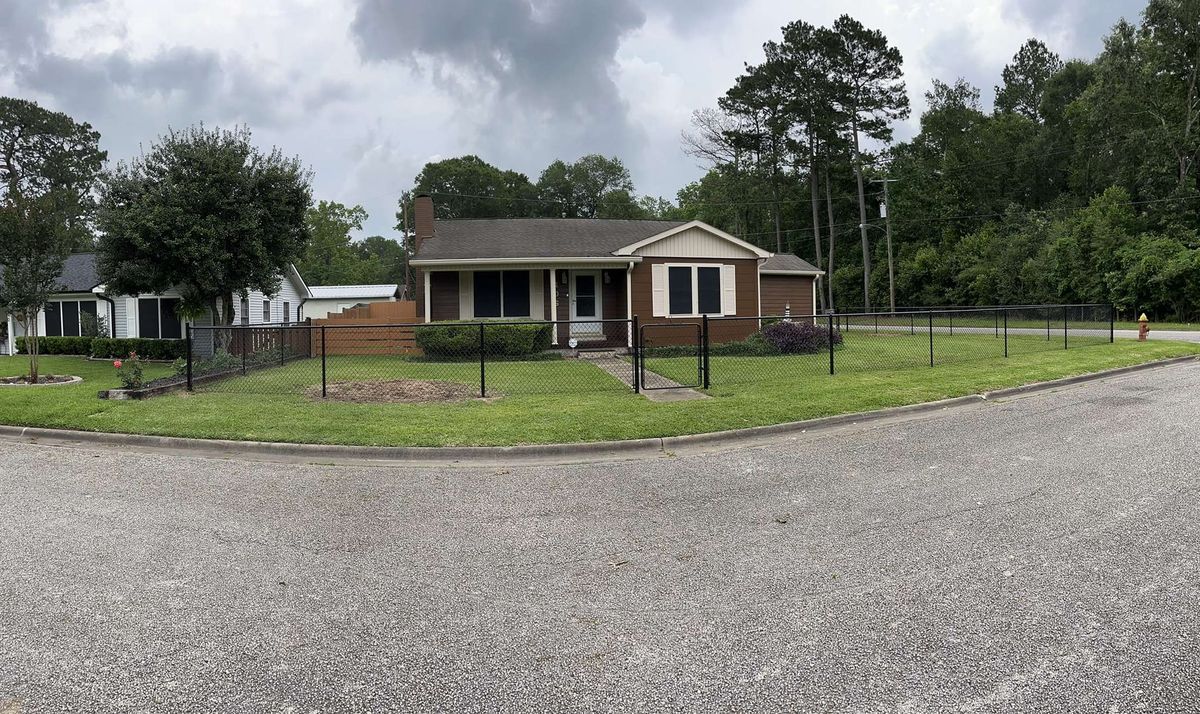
1082,184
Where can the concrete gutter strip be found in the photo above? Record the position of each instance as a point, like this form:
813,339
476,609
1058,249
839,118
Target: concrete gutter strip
533,453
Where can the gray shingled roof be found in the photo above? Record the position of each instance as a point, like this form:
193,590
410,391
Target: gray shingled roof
536,237
78,275
787,263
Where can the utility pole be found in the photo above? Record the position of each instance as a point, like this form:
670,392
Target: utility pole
887,217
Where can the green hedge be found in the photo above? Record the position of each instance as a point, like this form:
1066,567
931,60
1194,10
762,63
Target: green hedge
59,345
109,348
452,340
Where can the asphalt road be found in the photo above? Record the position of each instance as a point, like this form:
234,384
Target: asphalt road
1034,555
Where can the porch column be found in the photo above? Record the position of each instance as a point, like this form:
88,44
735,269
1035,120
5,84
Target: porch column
553,306
426,281
629,304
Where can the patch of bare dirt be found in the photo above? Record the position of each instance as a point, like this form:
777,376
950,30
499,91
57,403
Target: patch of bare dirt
397,391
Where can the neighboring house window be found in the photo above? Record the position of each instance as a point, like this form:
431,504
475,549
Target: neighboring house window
65,318
266,311
287,312
158,318
501,293
245,311
694,289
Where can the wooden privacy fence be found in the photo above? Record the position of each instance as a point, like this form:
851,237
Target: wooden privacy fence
361,330
258,340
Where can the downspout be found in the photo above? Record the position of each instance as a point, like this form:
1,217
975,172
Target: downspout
112,310
112,314
629,301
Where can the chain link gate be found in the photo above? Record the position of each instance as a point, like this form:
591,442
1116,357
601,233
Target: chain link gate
663,346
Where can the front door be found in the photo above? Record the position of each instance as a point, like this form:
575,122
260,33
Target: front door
585,303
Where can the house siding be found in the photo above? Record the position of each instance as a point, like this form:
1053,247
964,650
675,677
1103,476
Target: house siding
787,294
694,243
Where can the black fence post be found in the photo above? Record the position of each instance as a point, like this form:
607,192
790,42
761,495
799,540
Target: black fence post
1006,333
635,359
1047,324
951,315
877,323
324,352
704,350
831,345
242,333
997,316
482,366
912,323
282,354
931,338
189,357
1112,323
1064,327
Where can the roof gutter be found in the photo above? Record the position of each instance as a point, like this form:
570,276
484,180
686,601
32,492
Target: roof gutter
610,260
814,273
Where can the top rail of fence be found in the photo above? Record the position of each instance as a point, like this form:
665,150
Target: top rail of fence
960,308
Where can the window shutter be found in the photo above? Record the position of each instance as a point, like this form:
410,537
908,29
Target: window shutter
729,289
658,280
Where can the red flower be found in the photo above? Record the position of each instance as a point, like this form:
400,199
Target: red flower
117,364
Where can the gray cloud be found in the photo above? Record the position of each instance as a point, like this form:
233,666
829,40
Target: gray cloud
1084,22
539,66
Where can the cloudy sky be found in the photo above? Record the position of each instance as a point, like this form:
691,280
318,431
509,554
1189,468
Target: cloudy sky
367,91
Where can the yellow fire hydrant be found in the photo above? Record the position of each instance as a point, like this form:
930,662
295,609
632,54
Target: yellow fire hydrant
1143,328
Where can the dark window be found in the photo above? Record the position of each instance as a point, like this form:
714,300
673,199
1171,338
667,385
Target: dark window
679,282
287,312
245,311
266,311
53,312
148,318
516,293
168,315
708,286
487,293
70,319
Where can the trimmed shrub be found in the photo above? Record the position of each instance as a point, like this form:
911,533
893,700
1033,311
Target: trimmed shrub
59,345
110,348
798,338
460,340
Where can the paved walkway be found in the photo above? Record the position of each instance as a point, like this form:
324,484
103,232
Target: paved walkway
1037,554
656,387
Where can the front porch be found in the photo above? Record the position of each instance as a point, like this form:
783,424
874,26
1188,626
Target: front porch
580,298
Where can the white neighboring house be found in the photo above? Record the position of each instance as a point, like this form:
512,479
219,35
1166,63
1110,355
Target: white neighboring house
145,316
327,299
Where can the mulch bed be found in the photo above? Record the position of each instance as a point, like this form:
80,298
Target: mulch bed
397,391
42,379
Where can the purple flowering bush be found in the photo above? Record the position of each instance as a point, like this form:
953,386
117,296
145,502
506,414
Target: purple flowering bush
799,338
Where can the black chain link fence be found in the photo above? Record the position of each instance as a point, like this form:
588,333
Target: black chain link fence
451,360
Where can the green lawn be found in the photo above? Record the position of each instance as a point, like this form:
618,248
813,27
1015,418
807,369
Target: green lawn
768,391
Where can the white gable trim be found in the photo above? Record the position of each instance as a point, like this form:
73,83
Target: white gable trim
629,249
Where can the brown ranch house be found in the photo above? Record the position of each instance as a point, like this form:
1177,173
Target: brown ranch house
577,270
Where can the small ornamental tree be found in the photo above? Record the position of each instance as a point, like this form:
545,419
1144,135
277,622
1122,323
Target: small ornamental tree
48,168
204,212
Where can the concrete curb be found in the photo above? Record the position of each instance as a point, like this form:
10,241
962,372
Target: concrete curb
534,453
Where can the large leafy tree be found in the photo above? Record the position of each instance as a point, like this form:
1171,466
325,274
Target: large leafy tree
594,186
206,212
48,167
330,257
469,187
1026,78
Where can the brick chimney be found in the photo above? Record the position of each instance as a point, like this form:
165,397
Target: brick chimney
422,220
